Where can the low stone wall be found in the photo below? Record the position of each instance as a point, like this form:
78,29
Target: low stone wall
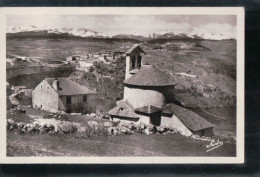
16,71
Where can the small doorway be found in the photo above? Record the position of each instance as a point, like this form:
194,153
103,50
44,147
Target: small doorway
155,119
68,100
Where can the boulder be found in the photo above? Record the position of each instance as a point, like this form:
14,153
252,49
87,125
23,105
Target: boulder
20,125
112,131
73,114
142,125
147,131
30,129
81,129
166,133
11,127
131,126
56,129
11,122
92,114
65,128
62,112
123,129
161,129
92,123
48,125
151,128
138,129
115,132
108,124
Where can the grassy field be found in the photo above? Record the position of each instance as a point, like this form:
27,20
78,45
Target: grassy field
58,49
119,145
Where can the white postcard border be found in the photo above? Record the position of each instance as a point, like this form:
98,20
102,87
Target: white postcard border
239,11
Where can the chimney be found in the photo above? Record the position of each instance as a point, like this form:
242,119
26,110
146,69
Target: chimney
56,84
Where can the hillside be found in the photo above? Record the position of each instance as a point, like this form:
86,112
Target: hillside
205,72
213,63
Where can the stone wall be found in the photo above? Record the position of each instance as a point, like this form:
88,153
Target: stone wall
45,97
139,97
16,71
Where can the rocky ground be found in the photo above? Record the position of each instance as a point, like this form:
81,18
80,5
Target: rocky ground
29,130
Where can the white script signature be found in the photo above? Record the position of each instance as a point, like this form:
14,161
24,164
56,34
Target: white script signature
213,145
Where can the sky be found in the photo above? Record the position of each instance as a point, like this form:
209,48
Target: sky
126,24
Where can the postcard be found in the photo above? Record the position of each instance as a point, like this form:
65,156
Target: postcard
124,85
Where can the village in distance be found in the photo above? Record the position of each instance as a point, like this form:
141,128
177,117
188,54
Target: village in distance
169,94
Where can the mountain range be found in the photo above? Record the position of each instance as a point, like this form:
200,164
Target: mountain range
86,33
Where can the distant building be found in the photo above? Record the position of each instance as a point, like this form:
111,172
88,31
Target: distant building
84,65
73,59
148,98
96,55
118,54
105,58
62,94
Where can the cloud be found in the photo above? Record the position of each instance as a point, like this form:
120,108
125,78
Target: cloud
216,28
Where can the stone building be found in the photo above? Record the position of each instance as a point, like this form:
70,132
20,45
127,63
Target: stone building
186,121
62,94
149,98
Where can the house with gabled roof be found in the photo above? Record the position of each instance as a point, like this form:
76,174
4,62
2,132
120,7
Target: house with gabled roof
62,94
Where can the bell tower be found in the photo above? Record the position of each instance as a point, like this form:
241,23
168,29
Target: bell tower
134,57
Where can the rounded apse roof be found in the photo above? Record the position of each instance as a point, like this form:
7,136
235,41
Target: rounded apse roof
148,75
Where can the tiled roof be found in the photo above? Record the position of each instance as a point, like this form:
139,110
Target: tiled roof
124,109
134,47
68,87
150,76
148,109
190,119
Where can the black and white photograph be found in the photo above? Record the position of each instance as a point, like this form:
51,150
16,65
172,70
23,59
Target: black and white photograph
139,83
